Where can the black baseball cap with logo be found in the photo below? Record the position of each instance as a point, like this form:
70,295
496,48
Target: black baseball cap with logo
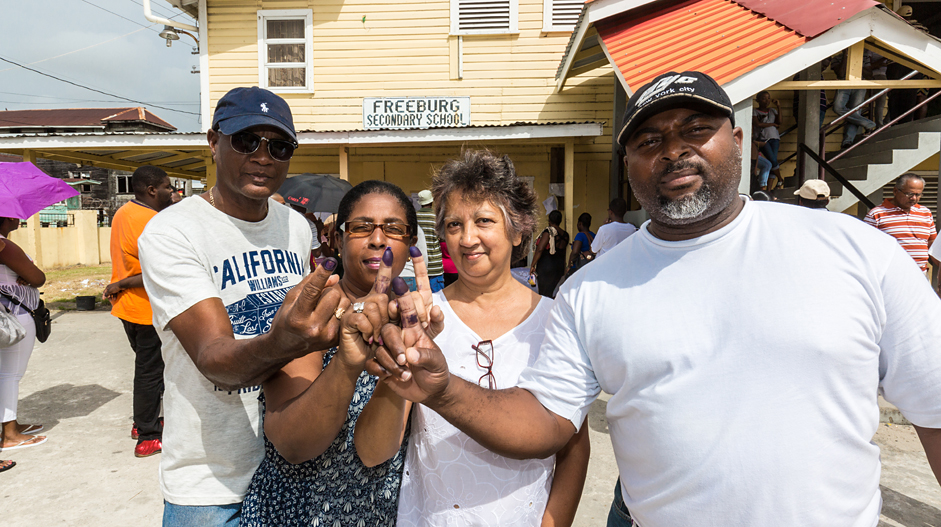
690,89
243,108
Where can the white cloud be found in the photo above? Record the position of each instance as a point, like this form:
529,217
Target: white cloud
138,66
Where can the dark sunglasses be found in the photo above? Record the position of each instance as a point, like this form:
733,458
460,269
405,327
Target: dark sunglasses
247,143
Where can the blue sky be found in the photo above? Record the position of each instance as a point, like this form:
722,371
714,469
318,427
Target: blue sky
81,41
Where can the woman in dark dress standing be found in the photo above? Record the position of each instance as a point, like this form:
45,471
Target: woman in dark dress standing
549,261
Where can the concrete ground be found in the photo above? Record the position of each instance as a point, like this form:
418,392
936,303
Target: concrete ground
79,385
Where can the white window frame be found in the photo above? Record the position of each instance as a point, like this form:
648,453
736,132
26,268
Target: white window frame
512,30
282,14
547,25
129,187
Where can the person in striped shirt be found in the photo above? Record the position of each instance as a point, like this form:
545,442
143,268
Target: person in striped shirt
904,219
426,220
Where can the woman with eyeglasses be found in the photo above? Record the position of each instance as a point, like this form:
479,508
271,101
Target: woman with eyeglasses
311,474
493,329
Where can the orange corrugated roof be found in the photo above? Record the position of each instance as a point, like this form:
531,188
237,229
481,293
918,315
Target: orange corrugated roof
718,37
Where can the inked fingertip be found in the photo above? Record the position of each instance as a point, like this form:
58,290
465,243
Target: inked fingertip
399,285
387,256
415,252
329,264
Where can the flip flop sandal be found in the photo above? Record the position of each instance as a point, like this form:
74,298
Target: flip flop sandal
37,440
33,429
6,465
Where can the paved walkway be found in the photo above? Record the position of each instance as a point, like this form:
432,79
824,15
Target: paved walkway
79,385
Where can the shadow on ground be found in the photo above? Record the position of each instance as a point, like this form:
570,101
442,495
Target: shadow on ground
908,511
64,401
596,416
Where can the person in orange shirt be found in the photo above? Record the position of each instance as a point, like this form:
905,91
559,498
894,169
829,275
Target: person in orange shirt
152,193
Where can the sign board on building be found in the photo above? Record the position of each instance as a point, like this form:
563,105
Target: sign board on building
405,113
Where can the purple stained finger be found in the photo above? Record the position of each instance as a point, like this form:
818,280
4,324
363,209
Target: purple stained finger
387,256
414,251
399,286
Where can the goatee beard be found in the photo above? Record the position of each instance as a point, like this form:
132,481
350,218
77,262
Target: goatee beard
689,207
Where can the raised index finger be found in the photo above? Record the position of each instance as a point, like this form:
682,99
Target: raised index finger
384,278
407,312
312,286
421,270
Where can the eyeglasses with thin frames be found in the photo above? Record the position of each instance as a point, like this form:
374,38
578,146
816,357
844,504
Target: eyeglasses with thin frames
247,143
362,229
484,350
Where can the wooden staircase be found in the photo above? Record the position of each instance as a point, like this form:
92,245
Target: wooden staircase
878,162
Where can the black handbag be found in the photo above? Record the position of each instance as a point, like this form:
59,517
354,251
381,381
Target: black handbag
40,315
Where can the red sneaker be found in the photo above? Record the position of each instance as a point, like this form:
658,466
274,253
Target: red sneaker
134,435
148,448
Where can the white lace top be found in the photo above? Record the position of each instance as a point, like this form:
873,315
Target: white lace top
28,295
450,479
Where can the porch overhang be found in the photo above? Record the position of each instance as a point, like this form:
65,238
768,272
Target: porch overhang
745,50
186,155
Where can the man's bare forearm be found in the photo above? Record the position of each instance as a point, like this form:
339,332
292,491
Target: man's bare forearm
231,364
931,440
511,422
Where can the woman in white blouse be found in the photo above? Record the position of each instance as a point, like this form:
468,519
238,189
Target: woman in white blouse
19,279
493,328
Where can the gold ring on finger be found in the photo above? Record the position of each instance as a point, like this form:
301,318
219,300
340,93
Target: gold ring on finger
339,312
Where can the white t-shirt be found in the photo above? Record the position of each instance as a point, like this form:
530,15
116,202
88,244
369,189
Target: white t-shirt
212,442
609,235
742,401
450,479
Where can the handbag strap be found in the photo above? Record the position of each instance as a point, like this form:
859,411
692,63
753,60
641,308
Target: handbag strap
17,302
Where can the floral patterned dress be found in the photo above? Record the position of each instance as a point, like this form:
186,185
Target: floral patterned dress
334,489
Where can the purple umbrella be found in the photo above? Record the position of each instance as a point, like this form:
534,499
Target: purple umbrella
25,190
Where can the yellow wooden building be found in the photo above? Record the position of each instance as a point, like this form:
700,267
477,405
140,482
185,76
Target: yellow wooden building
357,73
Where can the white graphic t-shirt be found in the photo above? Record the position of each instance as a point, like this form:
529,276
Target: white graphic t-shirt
212,440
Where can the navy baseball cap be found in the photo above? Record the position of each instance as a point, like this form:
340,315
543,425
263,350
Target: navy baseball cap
243,108
690,89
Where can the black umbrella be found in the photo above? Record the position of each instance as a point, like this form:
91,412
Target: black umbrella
315,192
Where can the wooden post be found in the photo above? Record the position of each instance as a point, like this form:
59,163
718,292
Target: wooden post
854,61
344,163
29,155
569,185
808,120
616,176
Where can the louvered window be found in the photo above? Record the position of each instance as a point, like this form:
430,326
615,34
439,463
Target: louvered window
284,49
561,15
481,17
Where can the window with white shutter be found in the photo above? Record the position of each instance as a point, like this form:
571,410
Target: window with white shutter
284,50
484,17
561,15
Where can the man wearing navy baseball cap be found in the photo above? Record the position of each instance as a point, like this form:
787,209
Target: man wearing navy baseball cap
743,343
233,302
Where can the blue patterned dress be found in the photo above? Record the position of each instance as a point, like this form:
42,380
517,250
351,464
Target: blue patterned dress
334,489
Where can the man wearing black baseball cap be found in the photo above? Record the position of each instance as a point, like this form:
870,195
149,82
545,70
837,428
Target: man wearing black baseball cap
719,414
233,302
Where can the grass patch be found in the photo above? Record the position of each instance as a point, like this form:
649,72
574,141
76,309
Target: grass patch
65,283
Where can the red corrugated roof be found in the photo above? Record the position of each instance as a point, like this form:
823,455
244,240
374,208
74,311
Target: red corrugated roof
809,18
77,117
718,37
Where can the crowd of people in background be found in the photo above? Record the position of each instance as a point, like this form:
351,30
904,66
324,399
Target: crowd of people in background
386,366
